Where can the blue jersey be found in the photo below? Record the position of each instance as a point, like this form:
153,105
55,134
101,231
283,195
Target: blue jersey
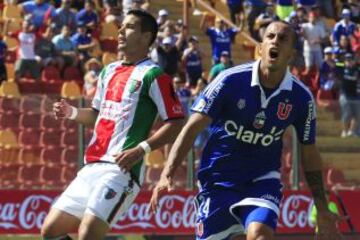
245,140
220,41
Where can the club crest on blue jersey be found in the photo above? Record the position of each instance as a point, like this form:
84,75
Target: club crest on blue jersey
241,103
284,110
259,120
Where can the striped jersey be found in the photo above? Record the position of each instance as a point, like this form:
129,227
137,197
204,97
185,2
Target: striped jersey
128,98
245,140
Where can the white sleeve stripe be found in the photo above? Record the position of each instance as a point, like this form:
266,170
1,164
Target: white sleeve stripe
155,94
218,80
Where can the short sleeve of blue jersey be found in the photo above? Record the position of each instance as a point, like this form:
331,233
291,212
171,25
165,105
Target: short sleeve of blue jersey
305,123
210,32
211,101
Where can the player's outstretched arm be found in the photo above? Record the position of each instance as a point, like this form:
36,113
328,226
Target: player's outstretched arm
312,165
183,143
86,116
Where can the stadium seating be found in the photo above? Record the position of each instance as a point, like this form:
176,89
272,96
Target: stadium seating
68,174
9,147
70,156
30,176
50,140
51,177
9,120
11,11
10,90
48,123
69,139
29,120
71,90
9,105
9,176
30,104
72,74
10,70
50,74
335,180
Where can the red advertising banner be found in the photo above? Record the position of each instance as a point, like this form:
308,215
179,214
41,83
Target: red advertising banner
22,212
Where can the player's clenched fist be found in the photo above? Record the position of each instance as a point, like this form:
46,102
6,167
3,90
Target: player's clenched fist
62,109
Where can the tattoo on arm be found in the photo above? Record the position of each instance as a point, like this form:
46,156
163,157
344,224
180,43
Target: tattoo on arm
315,182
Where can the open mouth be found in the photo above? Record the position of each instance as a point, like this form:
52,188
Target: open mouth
273,53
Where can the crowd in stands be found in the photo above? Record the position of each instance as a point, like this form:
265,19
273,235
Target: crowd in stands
57,40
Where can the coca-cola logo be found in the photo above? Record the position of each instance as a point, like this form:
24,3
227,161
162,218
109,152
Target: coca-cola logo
295,212
28,214
174,211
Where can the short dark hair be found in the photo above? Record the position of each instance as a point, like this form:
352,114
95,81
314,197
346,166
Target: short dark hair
148,22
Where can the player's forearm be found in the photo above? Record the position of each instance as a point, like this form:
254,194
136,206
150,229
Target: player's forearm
166,134
184,142
313,173
86,116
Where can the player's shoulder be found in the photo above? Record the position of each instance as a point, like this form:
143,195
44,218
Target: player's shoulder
299,89
240,72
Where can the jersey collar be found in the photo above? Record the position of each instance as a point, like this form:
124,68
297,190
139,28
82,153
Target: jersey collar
286,84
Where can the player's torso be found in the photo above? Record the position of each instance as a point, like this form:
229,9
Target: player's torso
126,113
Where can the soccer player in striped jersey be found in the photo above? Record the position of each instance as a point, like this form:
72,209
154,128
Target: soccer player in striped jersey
130,94
248,108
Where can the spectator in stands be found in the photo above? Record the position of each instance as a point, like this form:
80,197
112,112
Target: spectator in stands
83,43
112,13
26,59
87,15
343,27
39,11
134,4
256,8
265,18
3,49
236,11
313,35
65,48
218,68
349,100
355,39
45,49
221,37
307,4
284,8
163,16
320,20
168,56
328,70
354,7
92,71
184,94
327,8
344,44
65,16
192,60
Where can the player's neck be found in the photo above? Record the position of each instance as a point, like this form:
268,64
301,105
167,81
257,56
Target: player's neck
134,57
271,79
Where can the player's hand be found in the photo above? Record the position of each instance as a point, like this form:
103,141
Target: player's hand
62,109
128,158
327,226
164,185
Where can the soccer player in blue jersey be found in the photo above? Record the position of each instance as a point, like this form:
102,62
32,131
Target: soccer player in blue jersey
248,108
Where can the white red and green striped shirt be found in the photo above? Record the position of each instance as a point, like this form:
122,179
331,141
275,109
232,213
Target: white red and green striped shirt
128,98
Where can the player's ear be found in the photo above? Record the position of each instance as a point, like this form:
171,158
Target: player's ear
146,36
293,55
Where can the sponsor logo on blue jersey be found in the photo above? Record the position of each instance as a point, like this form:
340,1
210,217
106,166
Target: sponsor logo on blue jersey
251,137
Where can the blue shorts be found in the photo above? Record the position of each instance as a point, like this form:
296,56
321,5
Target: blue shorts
223,211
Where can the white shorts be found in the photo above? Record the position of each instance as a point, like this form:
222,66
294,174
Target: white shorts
100,189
